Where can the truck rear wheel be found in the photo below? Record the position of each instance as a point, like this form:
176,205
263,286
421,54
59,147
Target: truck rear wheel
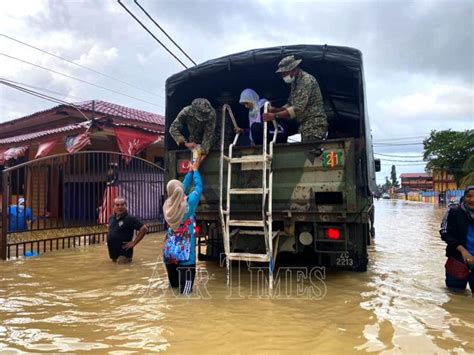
359,254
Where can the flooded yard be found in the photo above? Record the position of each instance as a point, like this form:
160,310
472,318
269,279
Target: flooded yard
78,300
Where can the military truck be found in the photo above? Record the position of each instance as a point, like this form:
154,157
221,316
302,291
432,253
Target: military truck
321,204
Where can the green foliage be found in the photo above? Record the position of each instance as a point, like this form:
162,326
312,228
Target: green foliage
393,177
468,172
448,150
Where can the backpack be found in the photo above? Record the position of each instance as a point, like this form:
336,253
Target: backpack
177,245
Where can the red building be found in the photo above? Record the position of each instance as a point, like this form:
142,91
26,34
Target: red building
417,181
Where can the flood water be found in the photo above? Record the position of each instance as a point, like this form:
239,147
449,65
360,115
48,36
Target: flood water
77,300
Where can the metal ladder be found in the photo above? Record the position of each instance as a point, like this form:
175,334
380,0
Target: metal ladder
263,226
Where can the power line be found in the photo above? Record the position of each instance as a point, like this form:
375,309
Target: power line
43,89
403,161
151,34
401,138
80,66
43,96
166,34
399,156
82,81
395,144
415,164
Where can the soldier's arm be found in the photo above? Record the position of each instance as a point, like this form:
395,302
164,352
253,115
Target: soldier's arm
208,136
177,126
300,99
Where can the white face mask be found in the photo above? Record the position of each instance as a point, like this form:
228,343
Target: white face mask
288,79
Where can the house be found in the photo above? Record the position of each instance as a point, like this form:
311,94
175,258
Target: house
443,181
416,181
104,126
49,185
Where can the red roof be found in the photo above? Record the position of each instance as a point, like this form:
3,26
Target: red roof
109,108
120,116
414,175
106,108
35,135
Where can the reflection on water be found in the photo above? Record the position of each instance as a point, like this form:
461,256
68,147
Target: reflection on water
77,300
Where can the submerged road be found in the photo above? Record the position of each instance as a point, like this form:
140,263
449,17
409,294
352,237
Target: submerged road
77,300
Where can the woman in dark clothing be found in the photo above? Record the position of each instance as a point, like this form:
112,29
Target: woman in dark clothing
457,230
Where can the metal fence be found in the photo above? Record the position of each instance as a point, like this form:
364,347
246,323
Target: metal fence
66,200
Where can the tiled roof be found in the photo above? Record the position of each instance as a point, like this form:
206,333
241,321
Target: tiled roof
414,175
35,135
106,108
109,108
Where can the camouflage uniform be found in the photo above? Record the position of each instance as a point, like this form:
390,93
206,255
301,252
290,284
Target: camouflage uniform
305,104
200,119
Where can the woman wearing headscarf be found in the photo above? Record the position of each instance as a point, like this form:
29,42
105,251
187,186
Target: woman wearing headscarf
457,230
250,99
180,244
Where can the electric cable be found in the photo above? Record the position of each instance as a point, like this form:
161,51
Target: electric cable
82,81
151,34
162,30
79,65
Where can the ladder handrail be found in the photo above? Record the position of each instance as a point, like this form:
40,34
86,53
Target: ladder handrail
225,108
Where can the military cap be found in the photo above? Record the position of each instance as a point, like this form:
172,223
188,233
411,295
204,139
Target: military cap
202,109
288,63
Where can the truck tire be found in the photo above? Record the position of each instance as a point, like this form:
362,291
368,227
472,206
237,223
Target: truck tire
359,254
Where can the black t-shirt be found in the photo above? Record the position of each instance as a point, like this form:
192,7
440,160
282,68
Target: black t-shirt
121,229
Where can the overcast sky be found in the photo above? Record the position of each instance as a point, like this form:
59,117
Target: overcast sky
418,55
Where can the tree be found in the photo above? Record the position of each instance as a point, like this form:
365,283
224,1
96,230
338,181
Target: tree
468,172
393,177
387,185
448,150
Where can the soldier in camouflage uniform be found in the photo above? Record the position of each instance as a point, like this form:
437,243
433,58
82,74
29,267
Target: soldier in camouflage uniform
200,119
305,103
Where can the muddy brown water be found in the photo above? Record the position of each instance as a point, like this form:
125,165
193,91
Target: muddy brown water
76,300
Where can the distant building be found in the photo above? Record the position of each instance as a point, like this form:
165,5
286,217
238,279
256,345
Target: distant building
443,181
416,181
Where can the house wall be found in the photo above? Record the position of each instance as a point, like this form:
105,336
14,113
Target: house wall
442,181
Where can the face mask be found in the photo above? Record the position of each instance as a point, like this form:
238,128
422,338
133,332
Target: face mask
288,79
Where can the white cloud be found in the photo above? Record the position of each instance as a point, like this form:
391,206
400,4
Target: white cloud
440,100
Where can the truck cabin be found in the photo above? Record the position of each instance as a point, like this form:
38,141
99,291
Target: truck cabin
338,71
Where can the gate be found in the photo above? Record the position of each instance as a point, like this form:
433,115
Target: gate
65,200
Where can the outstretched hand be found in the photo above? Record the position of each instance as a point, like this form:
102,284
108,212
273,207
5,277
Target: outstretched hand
268,117
190,145
195,165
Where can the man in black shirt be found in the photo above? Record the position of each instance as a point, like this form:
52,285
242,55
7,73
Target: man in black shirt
120,233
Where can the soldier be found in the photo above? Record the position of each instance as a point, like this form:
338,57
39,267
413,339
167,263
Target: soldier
305,103
200,119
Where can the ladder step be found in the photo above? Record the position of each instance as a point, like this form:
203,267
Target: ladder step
251,232
248,257
248,191
246,223
248,159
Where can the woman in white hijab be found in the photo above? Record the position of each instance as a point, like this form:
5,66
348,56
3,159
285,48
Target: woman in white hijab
250,99
179,250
